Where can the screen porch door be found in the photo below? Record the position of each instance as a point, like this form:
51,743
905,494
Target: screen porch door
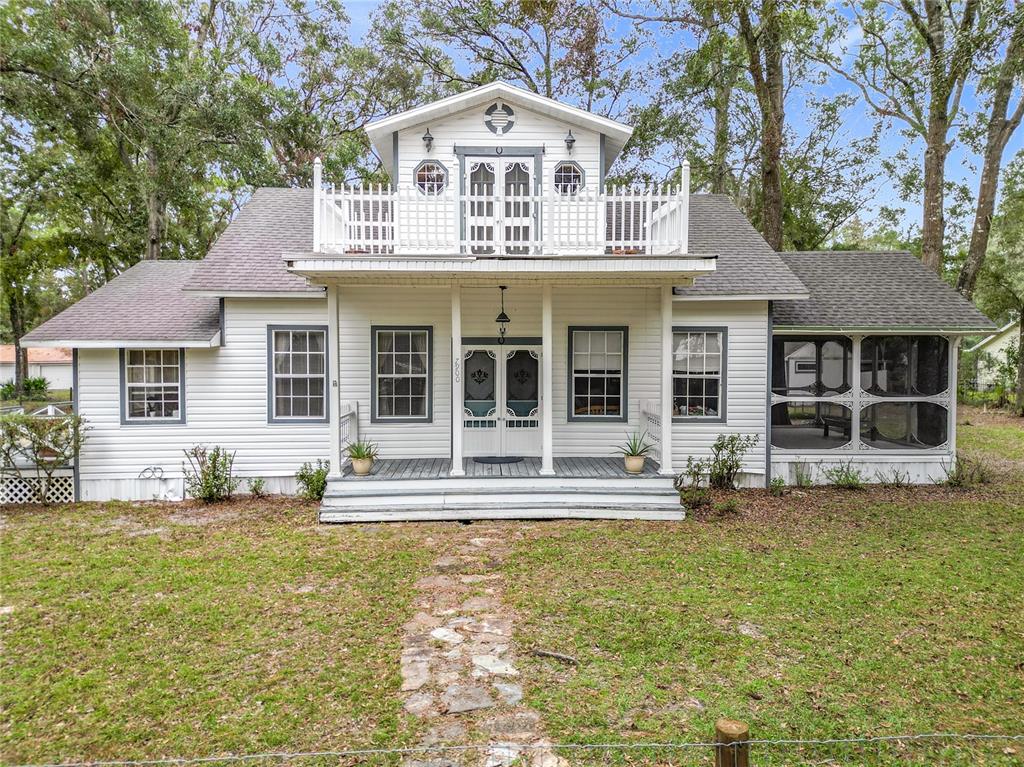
501,400
499,208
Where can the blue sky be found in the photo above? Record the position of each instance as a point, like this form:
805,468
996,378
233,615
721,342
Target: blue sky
963,165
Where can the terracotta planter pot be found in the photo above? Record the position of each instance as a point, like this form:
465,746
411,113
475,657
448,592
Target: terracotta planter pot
361,466
635,464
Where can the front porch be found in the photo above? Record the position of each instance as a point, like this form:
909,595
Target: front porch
439,468
419,489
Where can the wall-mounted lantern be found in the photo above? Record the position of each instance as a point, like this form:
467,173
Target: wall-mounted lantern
428,140
569,141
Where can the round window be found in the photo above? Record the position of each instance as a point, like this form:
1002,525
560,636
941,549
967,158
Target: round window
568,178
431,177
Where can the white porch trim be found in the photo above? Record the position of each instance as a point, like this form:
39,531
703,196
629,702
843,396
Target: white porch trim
666,380
333,378
457,389
547,397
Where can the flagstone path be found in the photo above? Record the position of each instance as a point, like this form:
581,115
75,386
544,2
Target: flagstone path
458,663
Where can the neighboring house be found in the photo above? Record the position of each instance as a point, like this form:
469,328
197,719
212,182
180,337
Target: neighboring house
326,314
992,353
53,364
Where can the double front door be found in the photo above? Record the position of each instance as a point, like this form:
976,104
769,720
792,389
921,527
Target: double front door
499,208
501,400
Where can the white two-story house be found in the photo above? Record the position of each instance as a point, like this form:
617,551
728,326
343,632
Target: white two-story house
497,320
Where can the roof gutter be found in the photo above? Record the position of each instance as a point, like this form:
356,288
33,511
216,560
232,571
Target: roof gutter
913,329
156,343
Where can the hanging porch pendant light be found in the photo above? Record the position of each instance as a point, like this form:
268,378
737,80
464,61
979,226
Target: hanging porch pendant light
502,319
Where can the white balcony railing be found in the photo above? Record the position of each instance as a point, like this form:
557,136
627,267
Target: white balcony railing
352,220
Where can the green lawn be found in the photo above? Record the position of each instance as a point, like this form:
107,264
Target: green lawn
826,614
135,633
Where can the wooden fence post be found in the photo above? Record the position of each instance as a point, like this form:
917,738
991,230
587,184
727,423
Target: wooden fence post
727,732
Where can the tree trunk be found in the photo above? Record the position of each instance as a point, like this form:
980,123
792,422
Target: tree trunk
764,56
934,224
719,159
1000,128
1019,401
16,315
156,210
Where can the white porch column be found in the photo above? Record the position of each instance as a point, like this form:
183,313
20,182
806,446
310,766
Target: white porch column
457,389
666,380
547,461
334,378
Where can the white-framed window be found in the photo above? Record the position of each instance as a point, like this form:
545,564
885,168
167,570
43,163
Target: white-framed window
598,359
430,177
568,178
298,373
698,373
402,361
152,385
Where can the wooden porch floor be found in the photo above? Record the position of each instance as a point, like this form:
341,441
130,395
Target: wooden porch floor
439,468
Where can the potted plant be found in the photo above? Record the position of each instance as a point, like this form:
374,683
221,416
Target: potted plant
634,450
362,455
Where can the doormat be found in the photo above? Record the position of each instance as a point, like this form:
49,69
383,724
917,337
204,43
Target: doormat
497,459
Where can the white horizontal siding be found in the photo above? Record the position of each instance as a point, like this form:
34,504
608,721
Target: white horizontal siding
746,374
360,308
226,404
466,129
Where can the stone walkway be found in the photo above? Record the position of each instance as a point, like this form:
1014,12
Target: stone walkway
459,670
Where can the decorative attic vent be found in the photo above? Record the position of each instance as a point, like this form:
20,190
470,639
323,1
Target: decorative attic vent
499,118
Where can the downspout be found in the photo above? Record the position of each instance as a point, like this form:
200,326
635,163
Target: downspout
76,482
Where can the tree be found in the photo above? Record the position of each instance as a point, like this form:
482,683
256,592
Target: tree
1000,126
560,49
912,62
1000,289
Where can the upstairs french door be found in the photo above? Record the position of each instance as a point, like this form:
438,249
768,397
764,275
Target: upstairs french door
500,213
501,400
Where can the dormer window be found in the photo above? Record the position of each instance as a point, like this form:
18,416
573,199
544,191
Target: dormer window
431,177
568,178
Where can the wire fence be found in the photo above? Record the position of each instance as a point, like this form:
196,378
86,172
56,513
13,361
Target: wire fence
919,749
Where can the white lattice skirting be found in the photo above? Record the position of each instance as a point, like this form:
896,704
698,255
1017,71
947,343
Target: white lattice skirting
18,490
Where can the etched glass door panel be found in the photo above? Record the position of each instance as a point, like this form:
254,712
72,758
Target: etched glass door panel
480,402
481,221
517,221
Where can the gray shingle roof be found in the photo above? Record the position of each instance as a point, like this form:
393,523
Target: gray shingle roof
746,264
853,289
145,303
247,255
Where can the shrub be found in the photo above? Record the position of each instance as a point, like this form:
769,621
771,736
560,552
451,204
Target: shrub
844,476
36,388
802,475
727,459
777,486
34,446
313,479
208,474
893,479
7,390
966,472
688,483
257,486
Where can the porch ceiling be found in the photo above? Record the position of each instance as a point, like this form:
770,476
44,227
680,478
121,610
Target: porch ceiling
468,270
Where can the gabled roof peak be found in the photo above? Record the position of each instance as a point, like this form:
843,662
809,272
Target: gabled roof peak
616,133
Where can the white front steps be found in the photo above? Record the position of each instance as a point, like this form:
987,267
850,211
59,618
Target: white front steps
355,500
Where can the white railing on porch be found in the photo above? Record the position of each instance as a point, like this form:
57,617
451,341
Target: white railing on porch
650,423
377,220
348,425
